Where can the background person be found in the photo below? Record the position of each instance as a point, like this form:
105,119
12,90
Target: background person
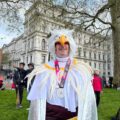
97,85
111,81
28,71
18,79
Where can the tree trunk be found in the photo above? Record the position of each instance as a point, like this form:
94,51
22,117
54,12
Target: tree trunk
115,15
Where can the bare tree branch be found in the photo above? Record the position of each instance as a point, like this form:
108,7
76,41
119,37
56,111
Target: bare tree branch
12,1
75,11
95,35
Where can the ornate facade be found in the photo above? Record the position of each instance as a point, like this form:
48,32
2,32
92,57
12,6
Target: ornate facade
32,45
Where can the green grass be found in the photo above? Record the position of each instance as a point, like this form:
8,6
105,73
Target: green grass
110,102
8,109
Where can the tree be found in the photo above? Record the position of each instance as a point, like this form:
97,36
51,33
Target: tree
95,18
10,13
5,58
115,15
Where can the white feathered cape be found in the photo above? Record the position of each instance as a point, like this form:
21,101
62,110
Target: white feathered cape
78,91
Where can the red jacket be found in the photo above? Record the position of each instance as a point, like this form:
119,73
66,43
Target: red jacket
97,83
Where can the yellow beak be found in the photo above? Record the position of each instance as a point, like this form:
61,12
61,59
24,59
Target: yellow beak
62,39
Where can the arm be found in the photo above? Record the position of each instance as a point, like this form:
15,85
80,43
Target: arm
16,67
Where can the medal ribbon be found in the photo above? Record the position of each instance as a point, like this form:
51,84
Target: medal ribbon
57,69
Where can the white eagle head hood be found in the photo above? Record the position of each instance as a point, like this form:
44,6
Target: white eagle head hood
67,34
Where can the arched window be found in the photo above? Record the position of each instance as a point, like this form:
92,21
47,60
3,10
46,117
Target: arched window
90,55
79,52
43,44
43,59
95,56
31,58
85,54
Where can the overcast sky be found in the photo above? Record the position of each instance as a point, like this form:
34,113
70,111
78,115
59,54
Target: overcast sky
5,35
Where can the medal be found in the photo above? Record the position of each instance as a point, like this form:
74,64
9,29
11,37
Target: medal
60,92
57,69
60,89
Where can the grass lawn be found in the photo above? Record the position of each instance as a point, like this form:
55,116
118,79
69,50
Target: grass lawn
8,109
110,102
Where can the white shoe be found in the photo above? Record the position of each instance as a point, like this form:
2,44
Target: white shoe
19,106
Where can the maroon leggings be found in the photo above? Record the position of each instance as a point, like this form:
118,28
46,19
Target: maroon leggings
54,112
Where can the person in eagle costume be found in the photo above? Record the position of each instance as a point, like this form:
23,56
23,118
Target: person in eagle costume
62,88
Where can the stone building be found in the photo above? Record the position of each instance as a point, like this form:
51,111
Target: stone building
32,45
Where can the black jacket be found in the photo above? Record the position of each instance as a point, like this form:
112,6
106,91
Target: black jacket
19,76
26,79
29,71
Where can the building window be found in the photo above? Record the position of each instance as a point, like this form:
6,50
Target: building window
104,66
31,58
95,56
79,52
99,56
90,55
25,46
109,73
103,57
90,63
43,58
43,44
84,53
23,58
99,65
104,73
99,44
94,44
29,44
108,66
108,57
95,65
108,47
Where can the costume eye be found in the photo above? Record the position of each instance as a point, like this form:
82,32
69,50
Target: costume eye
66,43
57,43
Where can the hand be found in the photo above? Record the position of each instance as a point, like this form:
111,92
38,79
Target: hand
21,81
